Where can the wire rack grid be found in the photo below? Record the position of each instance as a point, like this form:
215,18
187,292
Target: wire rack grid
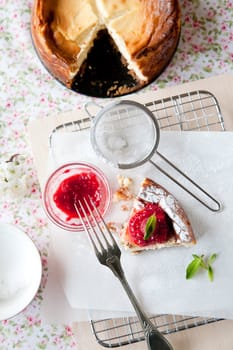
191,111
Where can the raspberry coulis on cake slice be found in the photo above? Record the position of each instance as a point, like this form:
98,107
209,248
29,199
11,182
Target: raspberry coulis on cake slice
162,231
157,220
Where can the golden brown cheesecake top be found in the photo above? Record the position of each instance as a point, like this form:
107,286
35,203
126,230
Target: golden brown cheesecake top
111,9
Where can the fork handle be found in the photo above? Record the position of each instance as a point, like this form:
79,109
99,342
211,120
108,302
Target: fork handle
155,340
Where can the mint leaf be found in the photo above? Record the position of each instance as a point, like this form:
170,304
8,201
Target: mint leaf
195,256
193,267
210,273
150,226
212,258
200,262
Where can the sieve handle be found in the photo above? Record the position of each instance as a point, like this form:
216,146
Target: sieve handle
87,106
216,206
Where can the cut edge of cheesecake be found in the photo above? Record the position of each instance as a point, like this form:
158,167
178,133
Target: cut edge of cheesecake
152,192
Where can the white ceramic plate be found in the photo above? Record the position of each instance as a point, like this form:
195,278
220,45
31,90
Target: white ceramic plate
20,270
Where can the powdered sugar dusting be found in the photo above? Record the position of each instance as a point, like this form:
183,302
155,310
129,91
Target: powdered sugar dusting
170,205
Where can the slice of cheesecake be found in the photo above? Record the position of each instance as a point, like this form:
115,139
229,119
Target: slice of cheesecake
157,220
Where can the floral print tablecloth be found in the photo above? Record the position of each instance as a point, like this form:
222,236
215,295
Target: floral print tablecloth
28,92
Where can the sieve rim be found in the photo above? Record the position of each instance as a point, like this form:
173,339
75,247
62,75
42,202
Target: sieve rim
110,106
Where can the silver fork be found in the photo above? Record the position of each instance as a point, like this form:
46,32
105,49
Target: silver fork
108,253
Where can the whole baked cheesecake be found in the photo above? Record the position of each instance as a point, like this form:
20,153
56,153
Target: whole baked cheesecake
144,33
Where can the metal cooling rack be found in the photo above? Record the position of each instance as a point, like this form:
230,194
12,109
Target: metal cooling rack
196,110
112,333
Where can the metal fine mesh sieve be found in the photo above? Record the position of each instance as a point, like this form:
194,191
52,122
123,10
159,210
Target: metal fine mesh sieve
126,134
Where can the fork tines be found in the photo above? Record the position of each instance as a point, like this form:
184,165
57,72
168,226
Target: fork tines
95,226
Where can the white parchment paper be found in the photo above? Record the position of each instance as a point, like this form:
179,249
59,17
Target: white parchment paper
83,288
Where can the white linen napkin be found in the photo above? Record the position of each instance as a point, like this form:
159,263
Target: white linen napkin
157,277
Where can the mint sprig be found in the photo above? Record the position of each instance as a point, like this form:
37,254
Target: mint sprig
198,262
150,226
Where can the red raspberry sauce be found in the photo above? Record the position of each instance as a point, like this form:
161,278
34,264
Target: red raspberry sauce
137,225
75,188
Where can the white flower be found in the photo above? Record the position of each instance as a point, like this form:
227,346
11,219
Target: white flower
13,179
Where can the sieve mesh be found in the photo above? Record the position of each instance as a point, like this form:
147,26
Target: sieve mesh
125,134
